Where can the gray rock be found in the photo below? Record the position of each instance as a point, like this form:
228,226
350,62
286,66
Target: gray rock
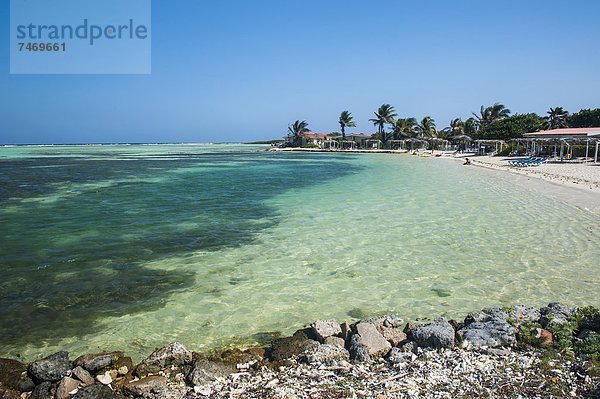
174,354
409,329
206,371
522,313
555,312
167,392
474,317
326,354
11,372
397,355
296,345
496,313
65,386
485,315
335,341
390,326
82,375
51,368
492,330
410,346
325,328
393,335
358,351
368,335
97,361
346,331
25,384
146,386
436,334
96,391
387,321
41,391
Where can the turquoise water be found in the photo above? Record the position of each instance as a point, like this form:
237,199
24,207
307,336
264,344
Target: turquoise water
131,247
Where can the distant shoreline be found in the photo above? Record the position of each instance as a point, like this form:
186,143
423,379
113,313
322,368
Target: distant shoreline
116,144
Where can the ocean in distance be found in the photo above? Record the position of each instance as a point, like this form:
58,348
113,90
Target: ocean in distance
134,246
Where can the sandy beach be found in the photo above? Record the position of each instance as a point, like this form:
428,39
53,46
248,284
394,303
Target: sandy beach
579,175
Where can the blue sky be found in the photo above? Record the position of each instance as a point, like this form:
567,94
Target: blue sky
244,70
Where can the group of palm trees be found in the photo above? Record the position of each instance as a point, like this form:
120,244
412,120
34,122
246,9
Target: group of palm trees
385,115
402,128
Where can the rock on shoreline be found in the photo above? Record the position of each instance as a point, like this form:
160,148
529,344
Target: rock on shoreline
509,352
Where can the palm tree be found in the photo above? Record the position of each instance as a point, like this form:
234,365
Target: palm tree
470,127
404,127
346,120
557,118
457,127
446,133
427,127
385,114
479,119
489,115
296,130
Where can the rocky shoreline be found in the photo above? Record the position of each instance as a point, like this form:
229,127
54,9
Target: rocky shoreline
520,351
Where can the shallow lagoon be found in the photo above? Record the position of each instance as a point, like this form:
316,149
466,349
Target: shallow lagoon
131,247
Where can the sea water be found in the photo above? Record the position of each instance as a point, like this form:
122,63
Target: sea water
133,246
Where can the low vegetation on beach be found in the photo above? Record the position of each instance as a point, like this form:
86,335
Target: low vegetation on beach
516,351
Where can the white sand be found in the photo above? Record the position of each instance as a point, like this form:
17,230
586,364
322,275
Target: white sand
582,180
581,175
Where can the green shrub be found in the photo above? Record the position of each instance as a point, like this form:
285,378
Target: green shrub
527,334
585,118
586,312
589,347
562,334
582,315
508,309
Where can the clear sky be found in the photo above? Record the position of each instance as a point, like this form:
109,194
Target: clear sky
243,70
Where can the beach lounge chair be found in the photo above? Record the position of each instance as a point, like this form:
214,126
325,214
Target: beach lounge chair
527,162
519,161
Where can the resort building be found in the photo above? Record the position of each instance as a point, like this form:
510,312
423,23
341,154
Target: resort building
314,138
564,139
565,134
358,138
